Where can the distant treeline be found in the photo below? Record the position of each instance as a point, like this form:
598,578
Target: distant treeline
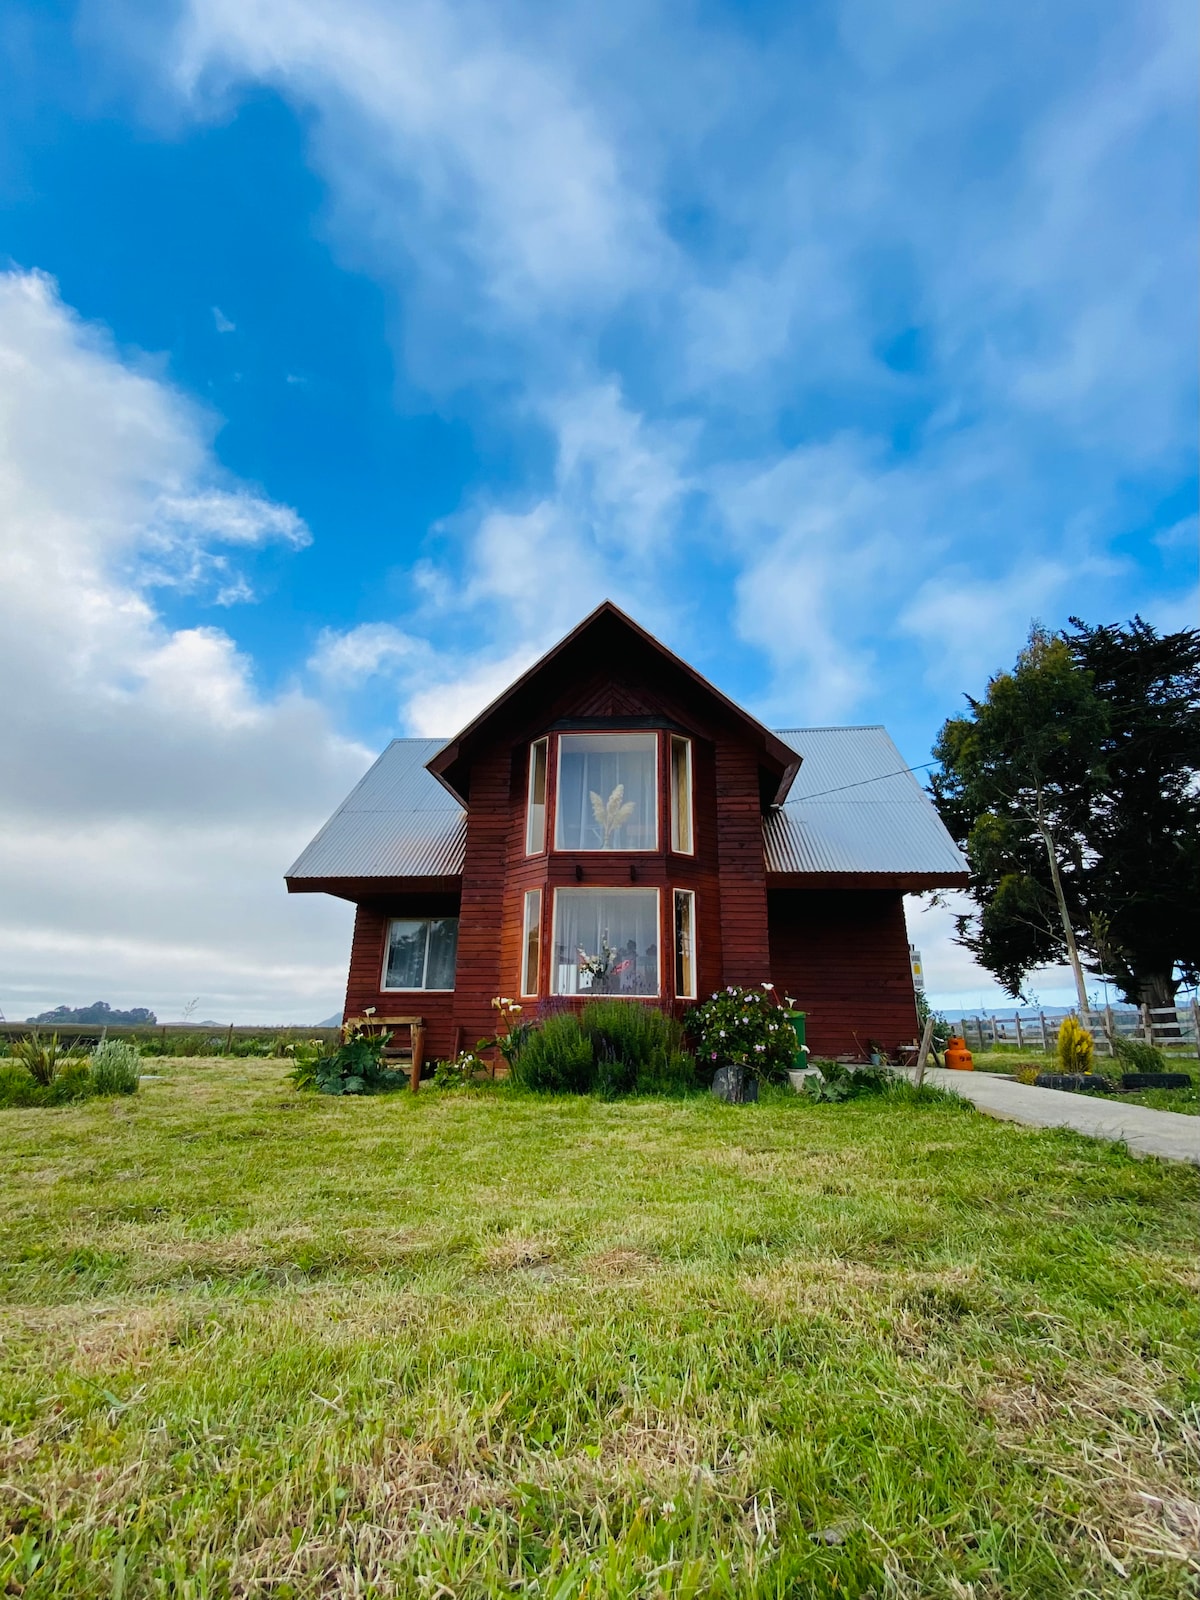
99,1011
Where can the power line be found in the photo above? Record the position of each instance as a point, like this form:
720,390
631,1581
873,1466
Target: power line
878,778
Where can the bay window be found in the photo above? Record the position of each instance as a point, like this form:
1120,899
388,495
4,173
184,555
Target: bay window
607,797
421,953
605,942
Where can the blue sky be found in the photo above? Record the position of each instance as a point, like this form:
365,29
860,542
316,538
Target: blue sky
350,354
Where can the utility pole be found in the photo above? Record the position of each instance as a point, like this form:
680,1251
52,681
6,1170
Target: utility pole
1068,930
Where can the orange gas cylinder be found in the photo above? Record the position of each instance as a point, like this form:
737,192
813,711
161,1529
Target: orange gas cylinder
958,1056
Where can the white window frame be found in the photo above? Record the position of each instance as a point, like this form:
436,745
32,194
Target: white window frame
690,895
607,888
387,945
677,849
532,849
607,733
531,926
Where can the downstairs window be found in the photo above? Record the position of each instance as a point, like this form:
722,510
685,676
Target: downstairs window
421,953
605,942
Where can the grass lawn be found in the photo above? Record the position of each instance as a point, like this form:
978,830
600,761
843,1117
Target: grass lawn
1186,1101
256,1343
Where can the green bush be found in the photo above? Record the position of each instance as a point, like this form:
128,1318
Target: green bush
42,1058
745,1028
840,1082
19,1088
116,1067
463,1072
1135,1055
556,1058
354,1067
613,1047
637,1049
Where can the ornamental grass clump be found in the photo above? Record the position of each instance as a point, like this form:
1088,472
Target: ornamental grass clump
1075,1046
42,1073
1136,1055
116,1067
42,1058
745,1028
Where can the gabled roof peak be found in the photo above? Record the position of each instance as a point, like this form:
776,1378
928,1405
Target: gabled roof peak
778,762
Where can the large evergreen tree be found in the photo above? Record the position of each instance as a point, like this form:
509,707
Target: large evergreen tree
1072,786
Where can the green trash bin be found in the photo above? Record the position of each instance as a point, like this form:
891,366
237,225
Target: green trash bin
798,1020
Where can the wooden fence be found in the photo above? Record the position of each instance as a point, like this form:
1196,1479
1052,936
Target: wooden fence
1171,1028
224,1036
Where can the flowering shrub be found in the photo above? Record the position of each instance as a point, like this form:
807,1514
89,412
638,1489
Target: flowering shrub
461,1073
745,1028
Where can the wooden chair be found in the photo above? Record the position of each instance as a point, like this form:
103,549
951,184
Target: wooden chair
396,1053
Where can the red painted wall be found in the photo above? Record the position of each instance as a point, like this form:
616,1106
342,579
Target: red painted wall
843,955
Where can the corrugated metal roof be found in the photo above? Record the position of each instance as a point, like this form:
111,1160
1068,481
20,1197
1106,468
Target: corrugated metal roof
401,823
853,807
397,823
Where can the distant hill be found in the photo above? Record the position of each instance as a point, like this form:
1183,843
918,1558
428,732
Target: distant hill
335,1021
98,1011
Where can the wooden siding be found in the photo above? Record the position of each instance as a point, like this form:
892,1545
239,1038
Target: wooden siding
745,949
365,979
844,956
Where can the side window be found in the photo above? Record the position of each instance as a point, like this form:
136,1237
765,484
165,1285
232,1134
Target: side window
681,796
685,944
535,812
531,943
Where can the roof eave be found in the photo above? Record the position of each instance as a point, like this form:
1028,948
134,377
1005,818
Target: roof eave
357,889
906,882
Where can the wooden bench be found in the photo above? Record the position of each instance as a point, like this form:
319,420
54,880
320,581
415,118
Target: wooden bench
395,1053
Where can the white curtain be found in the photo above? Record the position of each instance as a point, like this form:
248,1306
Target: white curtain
619,770
612,932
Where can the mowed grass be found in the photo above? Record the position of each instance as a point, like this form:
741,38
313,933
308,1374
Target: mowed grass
257,1343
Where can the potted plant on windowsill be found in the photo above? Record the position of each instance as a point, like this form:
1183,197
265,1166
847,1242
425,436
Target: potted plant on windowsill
747,1037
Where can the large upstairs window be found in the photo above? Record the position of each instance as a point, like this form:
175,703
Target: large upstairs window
605,942
607,797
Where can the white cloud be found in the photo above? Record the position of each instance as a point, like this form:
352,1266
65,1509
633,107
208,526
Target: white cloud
972,627
528,188
484,138
153,797
372,649
221,322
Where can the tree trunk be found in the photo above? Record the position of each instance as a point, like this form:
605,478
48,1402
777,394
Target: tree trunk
1157,990
1068,930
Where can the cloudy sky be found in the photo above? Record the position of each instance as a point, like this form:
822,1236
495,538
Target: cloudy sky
350,353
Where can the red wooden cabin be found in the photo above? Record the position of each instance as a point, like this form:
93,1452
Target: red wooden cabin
612,824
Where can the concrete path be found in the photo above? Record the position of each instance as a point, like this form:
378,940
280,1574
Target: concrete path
1169,1134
